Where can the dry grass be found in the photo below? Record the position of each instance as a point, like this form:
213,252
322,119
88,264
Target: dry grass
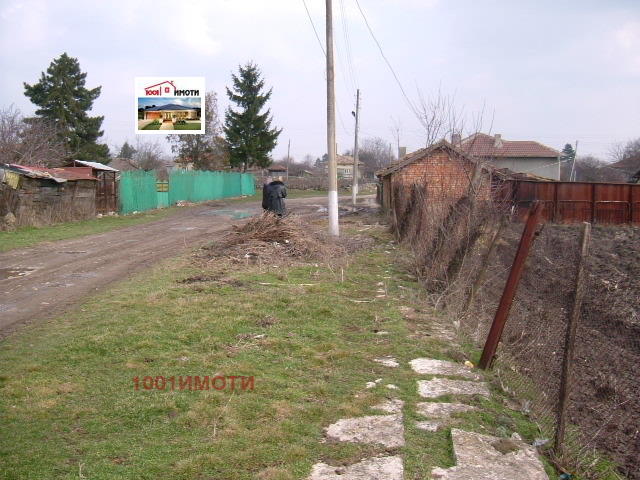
279,240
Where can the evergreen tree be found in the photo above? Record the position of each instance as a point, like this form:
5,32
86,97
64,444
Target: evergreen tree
249,136
64,101
567,153
127,151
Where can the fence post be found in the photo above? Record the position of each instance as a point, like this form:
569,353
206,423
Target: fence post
570,337
510,288
493,244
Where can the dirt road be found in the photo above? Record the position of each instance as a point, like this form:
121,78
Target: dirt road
51,278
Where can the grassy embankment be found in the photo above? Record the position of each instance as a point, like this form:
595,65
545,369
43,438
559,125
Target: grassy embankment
306,333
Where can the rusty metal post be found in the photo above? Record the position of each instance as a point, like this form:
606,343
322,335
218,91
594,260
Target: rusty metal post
509,293
570,337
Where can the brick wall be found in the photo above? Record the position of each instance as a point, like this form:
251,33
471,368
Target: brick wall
445,175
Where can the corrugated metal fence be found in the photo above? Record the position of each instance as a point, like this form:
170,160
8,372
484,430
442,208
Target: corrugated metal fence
140,191
571,202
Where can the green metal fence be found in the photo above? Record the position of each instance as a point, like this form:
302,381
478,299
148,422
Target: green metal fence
139,192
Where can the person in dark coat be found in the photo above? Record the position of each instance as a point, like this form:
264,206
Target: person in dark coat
265,194
277,193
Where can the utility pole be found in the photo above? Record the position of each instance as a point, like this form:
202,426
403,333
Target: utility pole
334,228
288,158
354,188
572,177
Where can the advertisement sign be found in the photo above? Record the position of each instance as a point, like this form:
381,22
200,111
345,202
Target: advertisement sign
166,105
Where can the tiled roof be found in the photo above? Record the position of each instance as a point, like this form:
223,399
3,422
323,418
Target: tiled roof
346,160
169,106
276,168
482,145
628,165
423,152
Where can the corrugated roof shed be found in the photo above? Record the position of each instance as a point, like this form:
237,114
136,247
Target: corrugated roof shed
95,165
59,175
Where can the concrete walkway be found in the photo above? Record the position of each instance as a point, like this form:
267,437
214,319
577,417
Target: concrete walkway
478,457
166,126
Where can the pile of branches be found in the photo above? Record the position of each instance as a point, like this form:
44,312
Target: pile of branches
270,237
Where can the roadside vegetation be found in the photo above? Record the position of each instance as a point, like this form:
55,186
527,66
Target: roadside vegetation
29,236
305,327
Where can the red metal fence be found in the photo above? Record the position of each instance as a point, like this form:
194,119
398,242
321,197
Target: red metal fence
575,202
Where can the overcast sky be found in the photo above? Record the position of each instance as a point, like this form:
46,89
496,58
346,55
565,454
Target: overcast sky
553,71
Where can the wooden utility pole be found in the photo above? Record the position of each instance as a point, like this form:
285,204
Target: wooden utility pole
354,188
570,338
334,228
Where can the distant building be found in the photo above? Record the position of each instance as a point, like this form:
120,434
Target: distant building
275,170
517,155
344,164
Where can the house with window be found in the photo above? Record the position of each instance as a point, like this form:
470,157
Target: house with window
171,112
522,156
344,164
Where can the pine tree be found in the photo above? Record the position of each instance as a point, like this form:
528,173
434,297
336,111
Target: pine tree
567,153
64,101
127,151
249,136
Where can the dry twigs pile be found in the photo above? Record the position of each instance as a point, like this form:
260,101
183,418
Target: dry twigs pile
271,238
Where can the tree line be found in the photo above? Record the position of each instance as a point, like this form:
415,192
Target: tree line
62,128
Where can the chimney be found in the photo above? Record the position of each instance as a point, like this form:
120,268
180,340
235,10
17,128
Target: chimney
402,152
456,139
497,140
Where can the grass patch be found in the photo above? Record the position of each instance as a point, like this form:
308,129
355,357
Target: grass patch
68,399
188,126
152,126
29,236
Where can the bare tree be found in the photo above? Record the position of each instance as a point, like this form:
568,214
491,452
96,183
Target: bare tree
205,151
396,131
626,157
30,141
148,155
375,153
593,169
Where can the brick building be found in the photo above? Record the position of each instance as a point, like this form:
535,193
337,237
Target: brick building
442,171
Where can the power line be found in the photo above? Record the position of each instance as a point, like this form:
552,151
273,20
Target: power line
410,105
314,28
347,43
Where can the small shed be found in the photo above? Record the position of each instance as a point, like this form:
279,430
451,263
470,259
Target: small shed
442,171
106,188
275,170
38,195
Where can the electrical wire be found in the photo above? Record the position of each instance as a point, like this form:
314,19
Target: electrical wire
406,98
347,44
314,28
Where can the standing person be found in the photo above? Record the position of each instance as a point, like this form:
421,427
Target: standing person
277,193
265,194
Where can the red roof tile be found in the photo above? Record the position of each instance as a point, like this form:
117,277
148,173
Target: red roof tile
482,145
